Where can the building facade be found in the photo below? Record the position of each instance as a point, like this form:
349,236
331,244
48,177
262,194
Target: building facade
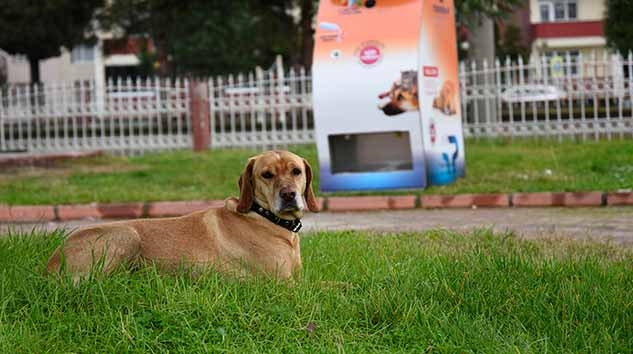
107,58
13,68
567,26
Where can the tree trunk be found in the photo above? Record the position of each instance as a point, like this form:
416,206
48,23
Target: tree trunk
34,64
482,47
307,33
482,39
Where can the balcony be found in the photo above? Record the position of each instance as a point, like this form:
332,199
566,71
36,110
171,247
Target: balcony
568,29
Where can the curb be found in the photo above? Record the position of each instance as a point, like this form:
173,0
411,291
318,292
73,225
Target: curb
33,213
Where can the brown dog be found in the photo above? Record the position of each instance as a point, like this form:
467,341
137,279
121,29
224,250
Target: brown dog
232,239
446,101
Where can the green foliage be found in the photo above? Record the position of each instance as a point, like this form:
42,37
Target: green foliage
148,60
511,44
467,10
471,14
618,27
234,37
38,29
433,292
210,37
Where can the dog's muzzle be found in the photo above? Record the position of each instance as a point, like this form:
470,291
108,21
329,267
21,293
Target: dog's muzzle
288,200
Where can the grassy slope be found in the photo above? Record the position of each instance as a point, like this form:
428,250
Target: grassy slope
491,167
435,292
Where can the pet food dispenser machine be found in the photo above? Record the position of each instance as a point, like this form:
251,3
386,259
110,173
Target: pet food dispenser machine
439,93
385,94
367,120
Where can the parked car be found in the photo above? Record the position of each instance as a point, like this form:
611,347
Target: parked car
532,93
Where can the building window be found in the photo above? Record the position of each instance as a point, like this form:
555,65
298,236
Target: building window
544,12
82,53
558,10
572,10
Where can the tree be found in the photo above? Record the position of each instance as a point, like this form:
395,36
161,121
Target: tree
38,29
209,37
233,36
489,8
306,32
618,27
510,45
478,16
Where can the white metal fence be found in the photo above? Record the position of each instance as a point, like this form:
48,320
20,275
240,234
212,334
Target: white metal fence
124,116
261,108
551,96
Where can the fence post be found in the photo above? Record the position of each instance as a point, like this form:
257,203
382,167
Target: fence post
200,119
280,95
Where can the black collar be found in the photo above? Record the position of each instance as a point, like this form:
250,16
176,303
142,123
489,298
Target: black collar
291,225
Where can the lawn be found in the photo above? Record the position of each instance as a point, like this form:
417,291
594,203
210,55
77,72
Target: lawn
491,166
433,292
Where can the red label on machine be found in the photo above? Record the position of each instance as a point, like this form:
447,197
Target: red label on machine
369,55
431,71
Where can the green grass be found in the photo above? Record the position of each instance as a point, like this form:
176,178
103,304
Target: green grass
436,292
491,166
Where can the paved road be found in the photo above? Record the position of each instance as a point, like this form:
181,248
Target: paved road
612,223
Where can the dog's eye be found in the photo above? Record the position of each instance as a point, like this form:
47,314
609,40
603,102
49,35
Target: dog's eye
267,175
296,171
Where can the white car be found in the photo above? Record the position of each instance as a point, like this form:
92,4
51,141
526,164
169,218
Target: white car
532,93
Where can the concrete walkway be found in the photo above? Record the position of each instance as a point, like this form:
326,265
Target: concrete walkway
610,223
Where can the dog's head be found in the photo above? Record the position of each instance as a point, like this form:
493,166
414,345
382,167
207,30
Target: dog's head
445,101
403,96
279,181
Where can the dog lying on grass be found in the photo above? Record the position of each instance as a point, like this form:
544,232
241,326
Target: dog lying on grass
255,233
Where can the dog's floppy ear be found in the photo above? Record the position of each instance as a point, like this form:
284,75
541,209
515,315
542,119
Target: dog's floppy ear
246,188
308,194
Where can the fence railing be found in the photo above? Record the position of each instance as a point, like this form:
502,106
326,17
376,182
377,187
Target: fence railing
549,96
124,116
554,96
261,108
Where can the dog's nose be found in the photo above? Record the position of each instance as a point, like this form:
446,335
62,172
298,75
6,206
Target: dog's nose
287,194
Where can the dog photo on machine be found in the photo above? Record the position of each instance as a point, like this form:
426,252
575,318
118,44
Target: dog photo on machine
446,100
403,95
